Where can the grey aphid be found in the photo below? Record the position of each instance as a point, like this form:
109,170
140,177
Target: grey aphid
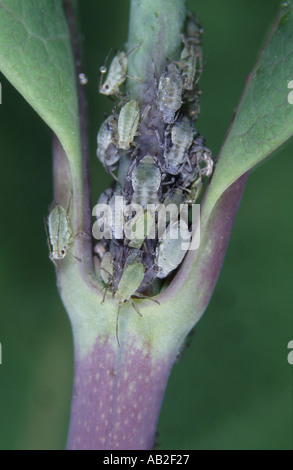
146,182
169,96
181,137
107,140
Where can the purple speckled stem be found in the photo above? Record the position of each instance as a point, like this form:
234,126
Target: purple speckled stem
117,398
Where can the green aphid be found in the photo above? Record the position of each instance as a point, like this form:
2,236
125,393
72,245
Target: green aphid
117,73
106,269
138,229
146,182
127,124
190,63
131,279
191,55
172,248
60,233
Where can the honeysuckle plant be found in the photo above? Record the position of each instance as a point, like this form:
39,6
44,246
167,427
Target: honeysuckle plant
118,388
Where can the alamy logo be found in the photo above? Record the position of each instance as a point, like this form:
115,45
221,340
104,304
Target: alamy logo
0,93
0,353
290,355
290,95
118,220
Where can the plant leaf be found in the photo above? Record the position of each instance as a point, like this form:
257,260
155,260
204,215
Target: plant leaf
36,57
263,122
264,119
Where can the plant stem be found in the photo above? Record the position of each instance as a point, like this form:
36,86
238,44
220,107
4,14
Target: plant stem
118,390
156,25
117,398
80,189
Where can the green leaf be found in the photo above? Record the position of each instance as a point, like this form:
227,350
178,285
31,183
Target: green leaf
36,57
264,119
263,122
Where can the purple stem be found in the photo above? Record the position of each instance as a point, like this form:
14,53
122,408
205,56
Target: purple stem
117,397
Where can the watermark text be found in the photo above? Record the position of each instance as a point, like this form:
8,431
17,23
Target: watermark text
290,355
119,220
290,95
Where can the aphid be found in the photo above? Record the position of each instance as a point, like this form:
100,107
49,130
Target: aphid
60,233
188,173
169,95
191,168
181,137
106,269
107,141
106,225
106,272
100,249
188,65
194,191
127,124
138,229
190,54
131,279
172,201
103,226
191,106
146,182
172,248
194,31
105,196
117,73
174,196
207,159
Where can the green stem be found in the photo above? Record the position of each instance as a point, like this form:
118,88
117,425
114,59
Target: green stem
156,25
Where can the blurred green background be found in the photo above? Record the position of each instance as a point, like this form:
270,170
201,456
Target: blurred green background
233,387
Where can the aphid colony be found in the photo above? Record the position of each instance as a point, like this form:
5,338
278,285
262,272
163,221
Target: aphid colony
167,163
